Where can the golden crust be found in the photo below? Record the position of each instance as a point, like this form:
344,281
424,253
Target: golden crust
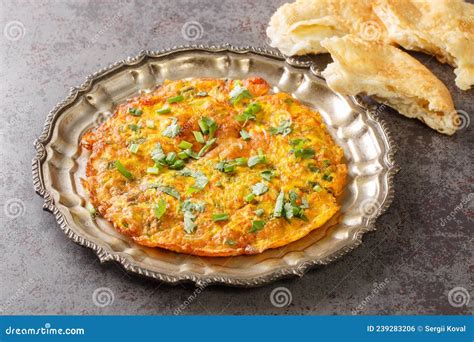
298,28
443,28
392,76
130,203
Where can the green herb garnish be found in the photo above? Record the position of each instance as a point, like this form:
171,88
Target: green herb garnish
163,110
206,147
123,170
238,94
249,112
177,98
255,160
259,189
160,209
200,179
245,135
284,128
259,212
135,111
191,153
208,126
177,165
305,153
169,190
278,210
188,205
199,137
298,142
249,198
220,217
189,225
327,177
290,208
134,127
183,155
157,154
267,175
185,145
170,158
172,130
256,226
153,170
190,208
133,148
228,166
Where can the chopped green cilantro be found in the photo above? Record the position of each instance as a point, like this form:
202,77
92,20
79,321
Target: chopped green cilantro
267,175
259,189
284,128
245,135
238,94
256,226
172,130
278,210
160,209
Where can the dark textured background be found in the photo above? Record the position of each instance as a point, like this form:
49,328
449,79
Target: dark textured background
417,257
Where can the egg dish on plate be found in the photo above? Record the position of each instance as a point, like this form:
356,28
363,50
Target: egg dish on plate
214,167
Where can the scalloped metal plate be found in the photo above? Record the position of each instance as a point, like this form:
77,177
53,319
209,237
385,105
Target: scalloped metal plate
59,163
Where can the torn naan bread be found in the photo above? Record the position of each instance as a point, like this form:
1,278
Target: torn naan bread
443,28
391,76
297,28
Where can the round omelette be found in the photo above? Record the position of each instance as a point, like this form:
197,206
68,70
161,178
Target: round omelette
214,167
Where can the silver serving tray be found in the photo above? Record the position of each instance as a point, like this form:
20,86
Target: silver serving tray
59,163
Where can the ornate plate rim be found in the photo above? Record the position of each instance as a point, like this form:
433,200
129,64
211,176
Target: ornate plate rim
104,255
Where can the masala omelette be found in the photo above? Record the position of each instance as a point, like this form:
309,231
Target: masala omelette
214,167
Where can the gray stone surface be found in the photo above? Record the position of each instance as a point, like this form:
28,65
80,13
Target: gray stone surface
414,257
